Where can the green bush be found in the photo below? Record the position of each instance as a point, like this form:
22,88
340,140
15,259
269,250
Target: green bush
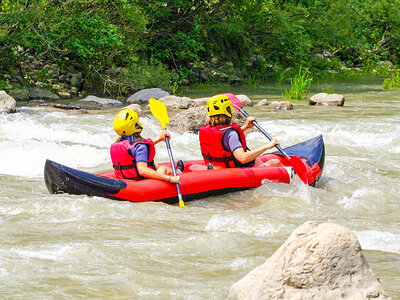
393,82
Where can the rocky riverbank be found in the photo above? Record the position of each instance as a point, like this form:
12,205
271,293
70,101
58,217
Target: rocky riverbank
44,97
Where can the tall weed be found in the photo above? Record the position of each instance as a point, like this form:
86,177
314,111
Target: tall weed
299,85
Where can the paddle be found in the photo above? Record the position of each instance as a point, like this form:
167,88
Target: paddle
159,110
294,161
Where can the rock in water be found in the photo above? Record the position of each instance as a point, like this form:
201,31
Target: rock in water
327,99
7,103
143,96
318,261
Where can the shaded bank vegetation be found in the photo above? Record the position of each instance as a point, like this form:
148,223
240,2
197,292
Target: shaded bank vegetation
129,45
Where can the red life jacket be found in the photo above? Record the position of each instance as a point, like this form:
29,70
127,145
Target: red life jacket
212,146
124,164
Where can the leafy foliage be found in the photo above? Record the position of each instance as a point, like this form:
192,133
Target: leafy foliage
259,38
393,82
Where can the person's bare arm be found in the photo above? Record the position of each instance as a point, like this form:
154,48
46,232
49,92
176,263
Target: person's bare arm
245,157
249,123
147,172
161,137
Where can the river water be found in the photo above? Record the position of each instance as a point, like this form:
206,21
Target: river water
70,246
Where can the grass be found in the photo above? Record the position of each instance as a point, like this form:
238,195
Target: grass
299,85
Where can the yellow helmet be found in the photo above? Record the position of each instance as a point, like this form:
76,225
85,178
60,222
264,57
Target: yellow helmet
219,105
127,122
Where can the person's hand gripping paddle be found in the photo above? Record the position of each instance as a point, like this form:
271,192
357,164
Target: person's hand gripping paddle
159,110
294,161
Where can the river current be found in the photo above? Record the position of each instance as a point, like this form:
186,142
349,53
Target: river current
70,246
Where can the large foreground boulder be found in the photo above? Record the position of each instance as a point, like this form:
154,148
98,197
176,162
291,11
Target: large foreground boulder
7,103
318,261
327,99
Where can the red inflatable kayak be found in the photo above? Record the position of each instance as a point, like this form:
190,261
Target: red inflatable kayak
196,182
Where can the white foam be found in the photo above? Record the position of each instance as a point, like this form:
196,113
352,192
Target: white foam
234,223
51,254
358,197
379,240
238,263
27,141
4,273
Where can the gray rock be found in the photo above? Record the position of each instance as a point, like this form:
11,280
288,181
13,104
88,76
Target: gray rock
195,117
175,102
246,101
326,99
39,93
76,82
143,96
200,101
101,101
318,261
7,103
262,102
281,105
136,108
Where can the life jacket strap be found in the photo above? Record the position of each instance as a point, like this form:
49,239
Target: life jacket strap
133,166
225,159
120,168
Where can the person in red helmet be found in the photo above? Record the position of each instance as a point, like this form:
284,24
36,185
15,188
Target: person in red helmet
223,144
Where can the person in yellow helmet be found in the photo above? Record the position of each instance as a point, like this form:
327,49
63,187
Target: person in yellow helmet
223,144
133,156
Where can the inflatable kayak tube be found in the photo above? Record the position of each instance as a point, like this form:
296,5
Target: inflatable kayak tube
196,182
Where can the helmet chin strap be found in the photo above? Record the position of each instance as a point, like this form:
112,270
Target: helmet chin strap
131,138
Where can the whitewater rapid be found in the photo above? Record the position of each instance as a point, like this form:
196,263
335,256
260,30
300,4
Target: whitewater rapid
150,250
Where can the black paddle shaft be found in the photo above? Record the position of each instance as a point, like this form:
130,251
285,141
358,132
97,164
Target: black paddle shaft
263,132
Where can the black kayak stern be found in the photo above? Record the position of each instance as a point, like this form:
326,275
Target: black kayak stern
62,179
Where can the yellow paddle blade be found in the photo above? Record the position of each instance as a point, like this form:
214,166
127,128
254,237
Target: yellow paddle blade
159,110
